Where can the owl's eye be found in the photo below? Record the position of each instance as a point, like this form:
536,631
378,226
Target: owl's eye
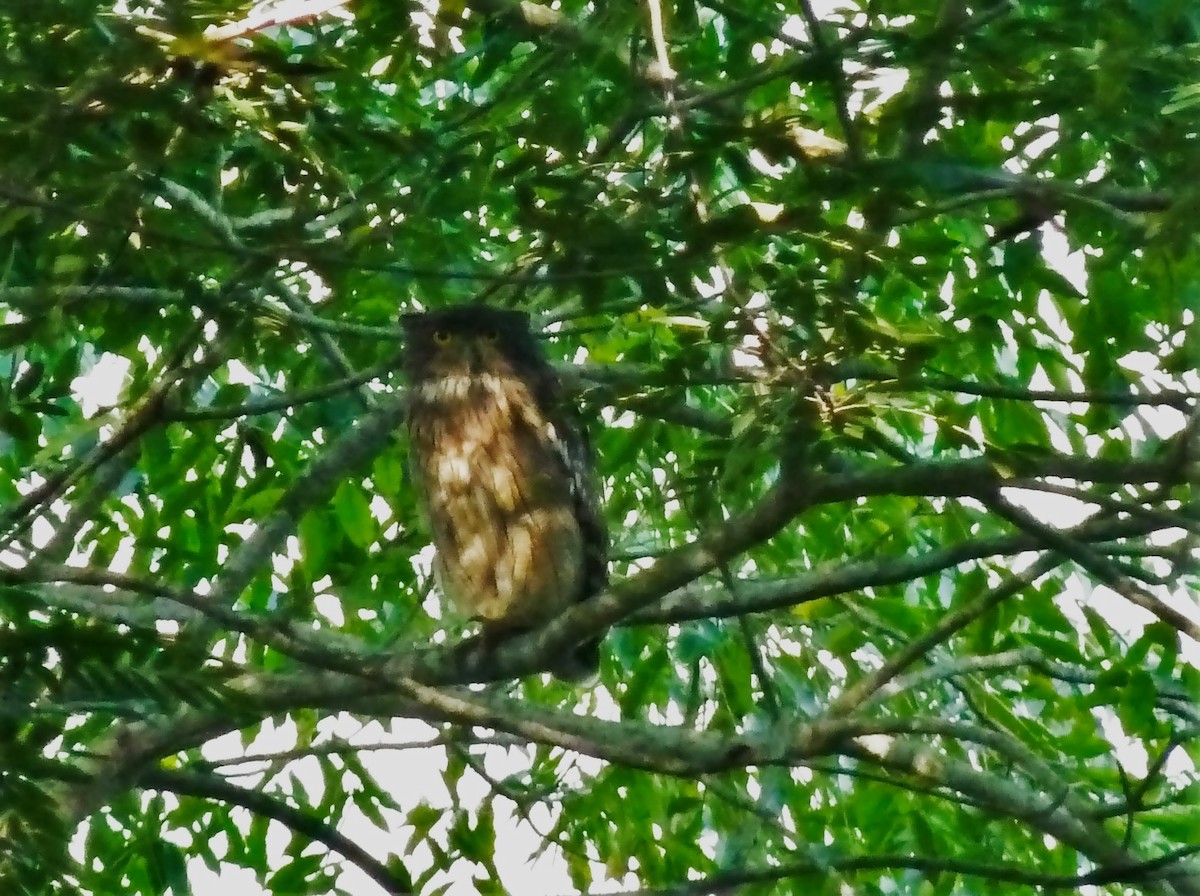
442,337
490,334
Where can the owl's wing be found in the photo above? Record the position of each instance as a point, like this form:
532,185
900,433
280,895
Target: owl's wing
579,460
574,451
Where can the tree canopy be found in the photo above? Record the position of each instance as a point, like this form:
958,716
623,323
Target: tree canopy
882,315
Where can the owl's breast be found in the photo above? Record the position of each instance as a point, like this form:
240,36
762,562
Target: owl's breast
499,503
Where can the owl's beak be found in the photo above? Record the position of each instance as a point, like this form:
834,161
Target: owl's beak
473,356
462,353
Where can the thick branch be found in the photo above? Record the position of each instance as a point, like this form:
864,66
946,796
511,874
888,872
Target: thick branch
315,486
663,749
706,601
731,881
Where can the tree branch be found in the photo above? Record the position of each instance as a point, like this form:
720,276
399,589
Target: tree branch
729,882
1066,819
703,601
1101,567
305,823
314,486
178,372
861,692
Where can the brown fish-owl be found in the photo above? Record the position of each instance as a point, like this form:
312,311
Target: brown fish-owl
504,473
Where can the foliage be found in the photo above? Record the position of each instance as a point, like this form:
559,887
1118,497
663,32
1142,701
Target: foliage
886,315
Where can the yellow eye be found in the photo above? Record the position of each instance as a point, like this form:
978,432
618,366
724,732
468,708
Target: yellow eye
442,337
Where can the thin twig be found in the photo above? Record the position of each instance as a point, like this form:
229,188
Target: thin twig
304,822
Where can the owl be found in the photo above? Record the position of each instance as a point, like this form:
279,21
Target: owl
503,473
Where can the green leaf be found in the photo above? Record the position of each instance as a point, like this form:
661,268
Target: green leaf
354,515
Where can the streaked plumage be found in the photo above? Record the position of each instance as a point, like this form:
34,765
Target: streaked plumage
504,473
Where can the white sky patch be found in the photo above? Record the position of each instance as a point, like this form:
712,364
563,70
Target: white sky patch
100,387
1134,758
1061,511
618,419
330,607
1056,249
282,564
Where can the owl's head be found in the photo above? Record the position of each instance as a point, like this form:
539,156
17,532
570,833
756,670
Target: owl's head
467,339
